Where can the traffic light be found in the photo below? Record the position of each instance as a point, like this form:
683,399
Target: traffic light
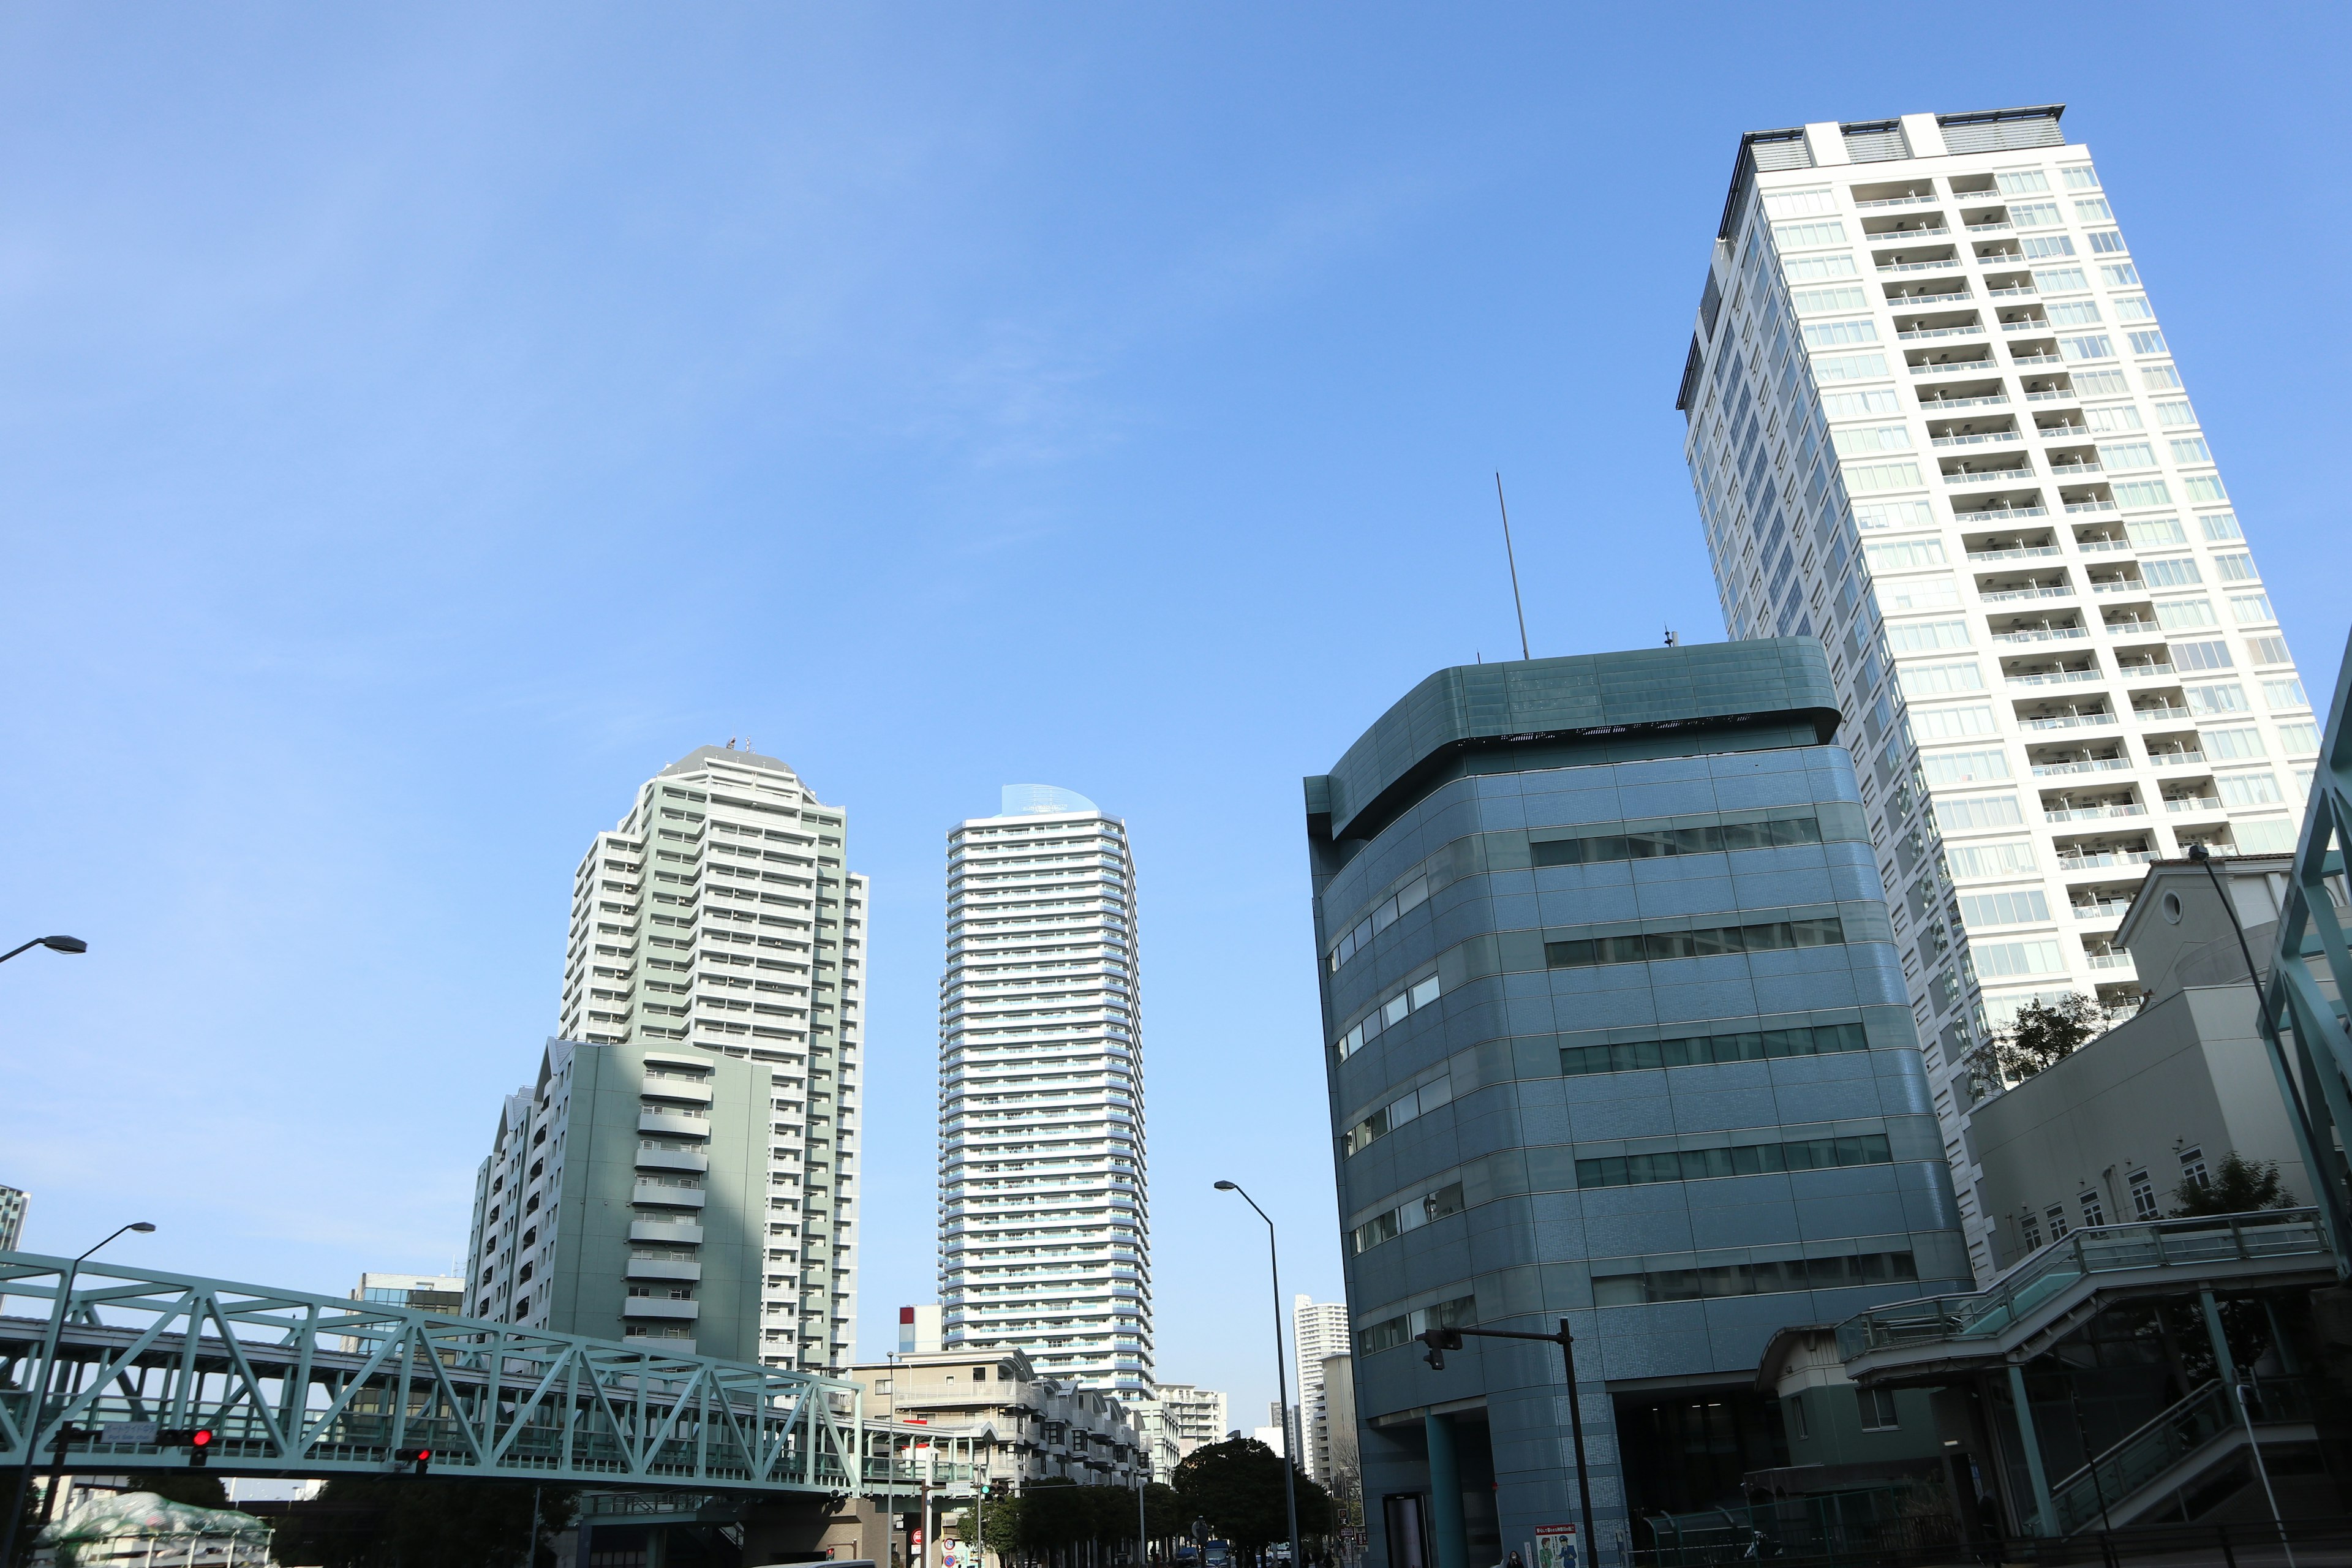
418,1461
197,1440
1440,1341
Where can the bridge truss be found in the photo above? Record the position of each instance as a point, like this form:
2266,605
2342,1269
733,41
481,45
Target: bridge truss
295,1384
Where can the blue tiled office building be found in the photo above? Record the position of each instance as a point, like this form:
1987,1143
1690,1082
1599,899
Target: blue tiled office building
1616,1032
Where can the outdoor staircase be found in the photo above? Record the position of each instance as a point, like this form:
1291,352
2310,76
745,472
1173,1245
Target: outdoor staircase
2148,1473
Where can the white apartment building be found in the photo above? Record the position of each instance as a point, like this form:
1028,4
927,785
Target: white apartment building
720,915
1318,1329
12,1204
1195,1416
1044,1226
1935,420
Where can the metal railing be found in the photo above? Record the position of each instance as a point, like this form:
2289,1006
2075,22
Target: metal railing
2162,1442
2117,1249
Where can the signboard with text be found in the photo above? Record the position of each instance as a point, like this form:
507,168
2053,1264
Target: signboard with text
1556,1546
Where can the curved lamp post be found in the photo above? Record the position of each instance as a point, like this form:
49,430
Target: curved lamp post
1281,1380
55,944
38,1404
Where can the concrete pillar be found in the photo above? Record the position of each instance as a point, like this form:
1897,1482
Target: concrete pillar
2046,1516
2224,1366
1445,1493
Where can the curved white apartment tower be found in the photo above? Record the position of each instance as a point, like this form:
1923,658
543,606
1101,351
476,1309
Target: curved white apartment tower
1045,1227
1935,421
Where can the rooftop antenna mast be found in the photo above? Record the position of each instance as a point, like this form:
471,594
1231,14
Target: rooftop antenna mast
1510,556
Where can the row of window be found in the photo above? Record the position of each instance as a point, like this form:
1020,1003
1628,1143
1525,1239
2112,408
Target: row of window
1384,914
1405,1107
1743,1160
1701,1050
1412,1215
1600,848
1706,941
1752,1279
1390,1332
1393,1011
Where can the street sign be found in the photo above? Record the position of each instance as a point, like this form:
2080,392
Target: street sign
131,1432
1556,1546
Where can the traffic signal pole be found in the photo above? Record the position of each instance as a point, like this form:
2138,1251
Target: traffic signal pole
1440,1341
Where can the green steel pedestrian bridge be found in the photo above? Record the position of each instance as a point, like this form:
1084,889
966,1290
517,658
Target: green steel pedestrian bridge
295,1385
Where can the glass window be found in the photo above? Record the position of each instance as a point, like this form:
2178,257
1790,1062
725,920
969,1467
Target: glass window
1807,236
2134,308
2056,1215
2227,697
2098,347
2252,607
2059,280
2143,1196
2192,1168
2201,655
2218,525
2234,745
2160,377
2174,572
1866,438
2035,214
2105,242
2191,449
2022,182
2082,178
1878,1404
1832,334
2203,487
1848,367
2136,493
2147,343
2093,209
2185,614
1857,405
2094,1212
2119,274
2153,534
1871,516
1816,301
2126,454
2039,246
2122,416
2248,789
2299,740
2029,1227
2074,313
2287,693
2175,414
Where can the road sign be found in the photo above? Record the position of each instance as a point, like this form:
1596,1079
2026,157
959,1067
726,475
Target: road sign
135,1432
1556,1546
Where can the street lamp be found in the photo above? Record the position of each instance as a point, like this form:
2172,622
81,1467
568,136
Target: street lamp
38,1404
1281,1379
55,944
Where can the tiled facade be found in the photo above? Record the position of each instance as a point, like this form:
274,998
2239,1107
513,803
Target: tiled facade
1534,883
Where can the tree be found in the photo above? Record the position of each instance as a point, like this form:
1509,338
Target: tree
397,1521
2041,1036
1237,1487
2237,1186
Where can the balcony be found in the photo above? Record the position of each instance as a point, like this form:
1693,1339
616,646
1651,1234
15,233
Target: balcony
1939,403
2056,678
2016,291
2070,721
1947,265
2053,394
681,1269
2000,514
2096,910
2002,595
2001,226
673,1160
2157,715
2118,585
2026,324
2018,554
2147,671
2189,802
670,1193
1930,300
686,1230
2108,960
1901,201
1919,333
2133,628
2175,759
1954,367
2094,813
1991,437
2092,765
678,1123
2037,359
2018,475
2044,634
2093,862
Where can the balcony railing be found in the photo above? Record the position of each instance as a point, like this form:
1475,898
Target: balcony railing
2061,432
2096,910
1989,227
2070,721
2028,325
1940,404
1989,477
2052,634
2175,759
1919,265
1999,514
1989,439
2144,671
2153,715
2095,765
2003,594
2106,858
1929,199
2021,290
2108,960
2089,813
1959,295
2120,585
2058,678
1956,367
2021,553
2187,1244
2037,359
1970,330
2133,628
2063,393
2182,803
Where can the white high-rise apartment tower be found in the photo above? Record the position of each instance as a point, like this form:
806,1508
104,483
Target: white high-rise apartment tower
1935,420
720,915
1318,1329
1044,1222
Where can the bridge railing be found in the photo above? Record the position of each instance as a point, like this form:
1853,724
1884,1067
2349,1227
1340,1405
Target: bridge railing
294,1384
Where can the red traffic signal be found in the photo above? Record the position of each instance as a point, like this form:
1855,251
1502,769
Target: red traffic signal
197,1440
418,1459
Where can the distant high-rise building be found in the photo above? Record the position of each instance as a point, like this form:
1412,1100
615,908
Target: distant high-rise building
919,1329
1045,1220
441,1293
1935,421
719,916
625,1197
12,1204
1318,1329
1195,1416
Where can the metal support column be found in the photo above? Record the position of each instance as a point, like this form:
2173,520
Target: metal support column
1445,1493
2046,1516
2225,1366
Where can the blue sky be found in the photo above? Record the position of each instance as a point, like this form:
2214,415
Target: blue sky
419,423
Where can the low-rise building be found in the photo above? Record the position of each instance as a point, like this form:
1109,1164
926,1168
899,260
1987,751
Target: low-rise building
992,1411
2110,1133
